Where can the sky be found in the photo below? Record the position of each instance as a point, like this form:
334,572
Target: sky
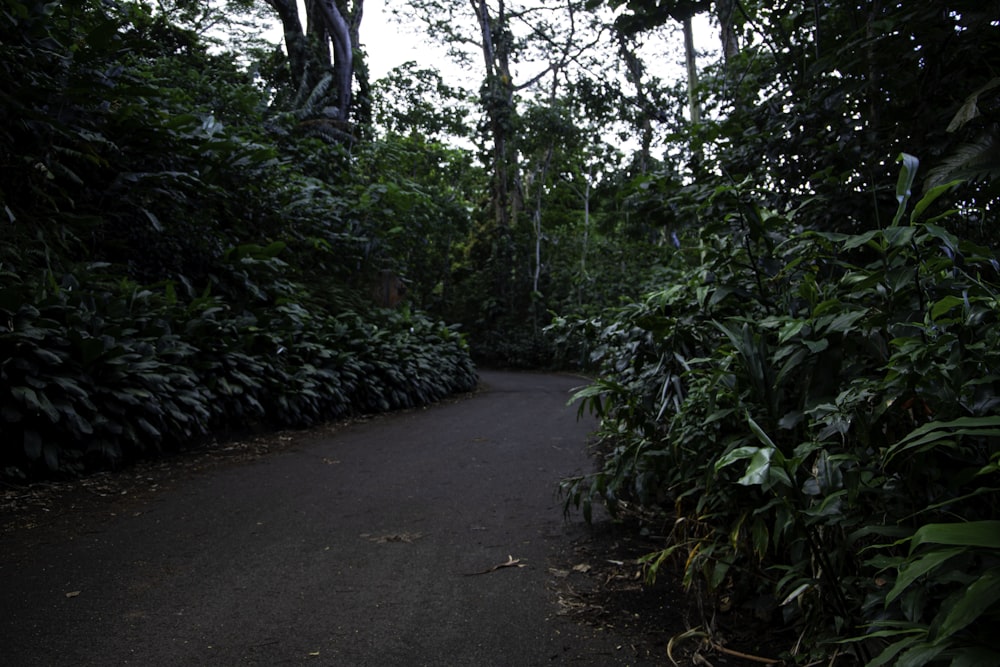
378,30
389,44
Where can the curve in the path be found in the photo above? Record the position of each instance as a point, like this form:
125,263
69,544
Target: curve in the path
370,546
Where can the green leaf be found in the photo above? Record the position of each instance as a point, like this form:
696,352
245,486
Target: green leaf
945,305
856,241
37,401
844,322
904,185
759,432
970,108
930,197
719,573
735,455
890,652
984,534
757,469
790,329
919,655
945,433
979,596
914,569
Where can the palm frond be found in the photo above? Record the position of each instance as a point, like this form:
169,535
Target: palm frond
970,108
312,104
974,161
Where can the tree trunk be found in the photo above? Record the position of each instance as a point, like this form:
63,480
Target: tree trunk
343,53
725,13
498,102
646,110
296,44
308,49
541,177
692,71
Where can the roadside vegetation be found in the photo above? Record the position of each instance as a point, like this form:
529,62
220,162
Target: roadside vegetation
179,263
780,268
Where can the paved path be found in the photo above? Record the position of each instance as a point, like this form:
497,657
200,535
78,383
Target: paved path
358,547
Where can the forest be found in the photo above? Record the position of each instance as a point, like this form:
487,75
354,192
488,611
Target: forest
778,267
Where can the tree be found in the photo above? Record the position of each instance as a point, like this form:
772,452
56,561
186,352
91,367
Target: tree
527,51
645,15
411,100
322,54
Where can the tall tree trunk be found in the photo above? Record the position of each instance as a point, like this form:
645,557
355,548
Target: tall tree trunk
692,71
541,177
586,237
343,53
646,110
725,13
498,102
296,44
309,47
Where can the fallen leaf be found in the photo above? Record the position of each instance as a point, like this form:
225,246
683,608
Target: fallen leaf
73,594
582,567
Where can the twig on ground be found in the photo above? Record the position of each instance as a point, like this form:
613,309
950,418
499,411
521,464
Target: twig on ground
511,562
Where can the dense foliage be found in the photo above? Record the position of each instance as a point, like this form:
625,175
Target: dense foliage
793,334
807,408
812,418
178,261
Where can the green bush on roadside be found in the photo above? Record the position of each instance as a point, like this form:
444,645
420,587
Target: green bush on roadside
813,421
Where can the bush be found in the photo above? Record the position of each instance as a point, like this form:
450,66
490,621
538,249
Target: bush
176,263
814,420
93,379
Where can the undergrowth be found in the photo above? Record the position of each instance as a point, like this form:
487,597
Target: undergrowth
812,420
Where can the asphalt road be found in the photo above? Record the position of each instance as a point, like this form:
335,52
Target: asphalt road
375,544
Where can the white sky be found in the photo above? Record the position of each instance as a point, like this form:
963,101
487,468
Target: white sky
390,44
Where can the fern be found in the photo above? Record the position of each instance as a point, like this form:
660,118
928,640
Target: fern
979,160
313,104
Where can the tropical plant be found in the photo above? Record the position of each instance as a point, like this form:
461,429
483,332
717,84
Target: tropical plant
812,419
178,262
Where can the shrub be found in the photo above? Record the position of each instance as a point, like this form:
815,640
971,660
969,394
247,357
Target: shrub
813,420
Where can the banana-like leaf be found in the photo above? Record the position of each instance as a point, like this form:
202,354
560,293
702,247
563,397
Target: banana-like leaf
968,162
918,567
932,195
945,433
758,468
976,599
985,534
970,108
904,185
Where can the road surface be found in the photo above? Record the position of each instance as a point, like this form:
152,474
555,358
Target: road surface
426,537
